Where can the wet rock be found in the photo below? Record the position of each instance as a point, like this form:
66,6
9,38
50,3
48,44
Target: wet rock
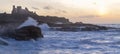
103,28
68,29
94,28
77,27
28,33
89,29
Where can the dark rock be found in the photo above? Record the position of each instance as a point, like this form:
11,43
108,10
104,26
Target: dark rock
27,33
103,28
80,27
89,29
68,29
94,28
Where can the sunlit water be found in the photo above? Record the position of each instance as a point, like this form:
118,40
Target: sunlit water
58,42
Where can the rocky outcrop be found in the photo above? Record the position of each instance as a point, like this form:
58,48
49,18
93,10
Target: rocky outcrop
27,30
28,33
98,28
78,27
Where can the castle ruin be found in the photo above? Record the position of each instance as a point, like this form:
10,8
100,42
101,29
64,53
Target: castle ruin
19,10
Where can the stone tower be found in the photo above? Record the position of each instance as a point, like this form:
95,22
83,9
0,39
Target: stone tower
19,10
14,11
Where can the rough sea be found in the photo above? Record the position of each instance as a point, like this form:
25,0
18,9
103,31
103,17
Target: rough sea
61,42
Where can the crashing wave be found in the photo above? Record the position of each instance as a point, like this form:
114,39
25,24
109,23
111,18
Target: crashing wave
44,27
29,22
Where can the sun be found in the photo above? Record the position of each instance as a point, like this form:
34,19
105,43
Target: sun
102,10
101,7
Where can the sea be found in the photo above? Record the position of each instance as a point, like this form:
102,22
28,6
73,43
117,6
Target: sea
68,42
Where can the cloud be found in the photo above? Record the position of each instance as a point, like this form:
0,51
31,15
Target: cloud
48,7
55,9
63,11
35,8
89,16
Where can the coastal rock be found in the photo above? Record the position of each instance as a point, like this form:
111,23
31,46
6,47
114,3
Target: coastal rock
28,33
103,28
68,29
78,27
94,28
89,29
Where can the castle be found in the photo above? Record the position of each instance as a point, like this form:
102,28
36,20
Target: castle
19,15
19,10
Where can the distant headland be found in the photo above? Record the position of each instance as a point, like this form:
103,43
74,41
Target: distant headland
19,15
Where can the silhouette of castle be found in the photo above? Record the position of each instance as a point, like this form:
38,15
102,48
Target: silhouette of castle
19,10
19,15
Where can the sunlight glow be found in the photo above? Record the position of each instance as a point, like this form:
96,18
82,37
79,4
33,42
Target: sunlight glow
101,7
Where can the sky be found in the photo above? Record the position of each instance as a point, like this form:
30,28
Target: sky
87,11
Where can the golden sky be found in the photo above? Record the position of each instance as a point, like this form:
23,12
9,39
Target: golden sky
88,11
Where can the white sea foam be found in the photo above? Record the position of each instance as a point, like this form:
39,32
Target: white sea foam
29,22
44,27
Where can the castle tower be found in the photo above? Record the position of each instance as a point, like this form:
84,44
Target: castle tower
26,9
19,10
14,10
13,6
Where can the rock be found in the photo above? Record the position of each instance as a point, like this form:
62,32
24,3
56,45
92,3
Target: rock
83,28
68,29
94,28
103,28
89,29
28,33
